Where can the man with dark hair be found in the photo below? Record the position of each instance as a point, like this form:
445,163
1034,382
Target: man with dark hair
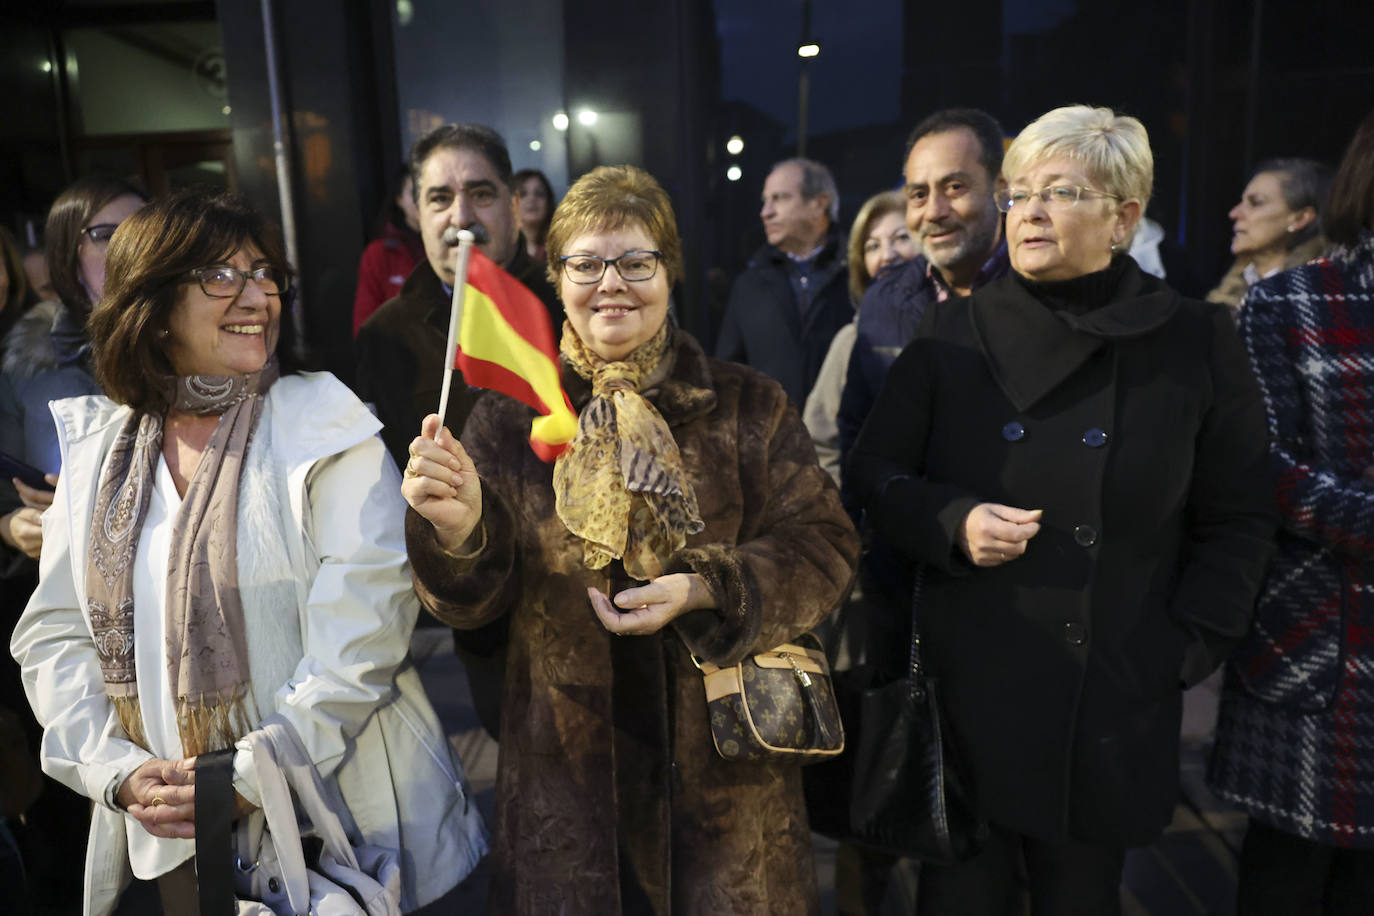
461,174
953,164
462,179
794,294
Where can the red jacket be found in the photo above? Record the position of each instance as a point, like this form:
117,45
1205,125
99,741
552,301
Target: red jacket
385,264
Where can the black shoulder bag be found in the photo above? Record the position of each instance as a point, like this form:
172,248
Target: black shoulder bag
909,798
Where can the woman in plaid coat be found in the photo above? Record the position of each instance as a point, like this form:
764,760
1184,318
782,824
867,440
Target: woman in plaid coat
1295,739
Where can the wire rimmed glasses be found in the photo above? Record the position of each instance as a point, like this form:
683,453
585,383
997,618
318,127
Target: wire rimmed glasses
633,266
1055,197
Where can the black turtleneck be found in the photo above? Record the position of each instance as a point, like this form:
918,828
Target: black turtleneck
1079,295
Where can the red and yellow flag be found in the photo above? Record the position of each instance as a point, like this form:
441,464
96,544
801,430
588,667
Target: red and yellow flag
505,343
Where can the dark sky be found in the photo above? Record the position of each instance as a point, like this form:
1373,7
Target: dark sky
854,81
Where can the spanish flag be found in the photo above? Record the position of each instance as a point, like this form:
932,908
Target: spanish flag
505,344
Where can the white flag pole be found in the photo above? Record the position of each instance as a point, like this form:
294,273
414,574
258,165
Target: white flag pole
455,315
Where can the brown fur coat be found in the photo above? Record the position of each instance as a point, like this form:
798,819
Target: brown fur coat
610,796
1233,287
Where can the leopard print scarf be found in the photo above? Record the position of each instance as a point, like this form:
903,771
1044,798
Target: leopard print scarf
620,485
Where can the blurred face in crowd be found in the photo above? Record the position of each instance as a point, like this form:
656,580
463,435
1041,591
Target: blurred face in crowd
792,223
95,238
534,203
228,333
461,188
1262,221
613,316
36,268
405,199
1065,238
949,206
889,242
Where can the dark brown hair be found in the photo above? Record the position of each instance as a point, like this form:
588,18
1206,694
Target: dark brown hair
20,297
69,215
1350,209
148,261
518,180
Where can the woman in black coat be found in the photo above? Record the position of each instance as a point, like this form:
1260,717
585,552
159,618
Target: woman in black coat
1075,457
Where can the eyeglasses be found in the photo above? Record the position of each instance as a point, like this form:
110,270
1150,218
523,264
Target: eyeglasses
221,281
100,233
632,266
1057,197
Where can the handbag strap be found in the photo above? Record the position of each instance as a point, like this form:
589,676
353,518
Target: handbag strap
325,810
214,833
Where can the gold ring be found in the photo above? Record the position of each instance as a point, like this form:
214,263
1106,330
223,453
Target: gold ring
158,800
410,468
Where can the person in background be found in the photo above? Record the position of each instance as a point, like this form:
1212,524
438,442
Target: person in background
389,258
878,240
793,296
1074,459
155,636
46,357
36,268
687,517
1276,225
535,197
1297,706
462,180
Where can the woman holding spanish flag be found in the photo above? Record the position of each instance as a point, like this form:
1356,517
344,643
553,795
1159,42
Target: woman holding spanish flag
687,516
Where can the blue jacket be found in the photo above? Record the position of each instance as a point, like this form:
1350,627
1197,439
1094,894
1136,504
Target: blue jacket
763,325
888,316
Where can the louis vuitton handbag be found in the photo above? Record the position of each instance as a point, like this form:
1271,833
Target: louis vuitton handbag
777,704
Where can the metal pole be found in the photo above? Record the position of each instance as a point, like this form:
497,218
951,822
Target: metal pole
803,90
283,165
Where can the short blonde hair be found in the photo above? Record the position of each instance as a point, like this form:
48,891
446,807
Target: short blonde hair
874,209
1113,149
612,197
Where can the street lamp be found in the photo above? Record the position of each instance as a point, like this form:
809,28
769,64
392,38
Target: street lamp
586,117
810,49
733,173
560,121
735,145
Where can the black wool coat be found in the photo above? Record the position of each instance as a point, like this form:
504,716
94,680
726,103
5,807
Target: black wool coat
1138,428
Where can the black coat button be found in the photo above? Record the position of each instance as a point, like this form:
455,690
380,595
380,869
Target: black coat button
274,885
1074,634
1095,438
1013,432
1085,535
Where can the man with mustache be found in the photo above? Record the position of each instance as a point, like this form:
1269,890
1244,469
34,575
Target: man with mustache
953,164
462,179
794,295
461,175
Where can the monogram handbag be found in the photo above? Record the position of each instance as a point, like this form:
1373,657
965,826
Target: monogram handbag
777,704
909,797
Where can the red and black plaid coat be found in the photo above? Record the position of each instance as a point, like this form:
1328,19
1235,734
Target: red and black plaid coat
1295,740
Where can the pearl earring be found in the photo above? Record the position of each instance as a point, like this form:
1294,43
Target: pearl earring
1291,229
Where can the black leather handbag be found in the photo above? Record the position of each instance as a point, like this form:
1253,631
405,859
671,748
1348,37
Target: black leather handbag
908,797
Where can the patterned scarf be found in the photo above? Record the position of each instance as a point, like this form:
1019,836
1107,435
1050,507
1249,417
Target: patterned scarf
207,652
620,485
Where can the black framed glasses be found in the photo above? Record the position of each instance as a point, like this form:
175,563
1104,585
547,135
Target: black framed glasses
632,266
100,233
220,281
1055,197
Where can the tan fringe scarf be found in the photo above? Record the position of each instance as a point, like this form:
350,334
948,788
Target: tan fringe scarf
620,485
207,650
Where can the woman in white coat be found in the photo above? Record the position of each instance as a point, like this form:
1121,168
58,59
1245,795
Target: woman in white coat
264,501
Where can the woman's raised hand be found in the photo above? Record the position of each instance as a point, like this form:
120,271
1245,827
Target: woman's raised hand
441,484
648,608
993,534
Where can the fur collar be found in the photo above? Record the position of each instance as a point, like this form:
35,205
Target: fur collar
28,347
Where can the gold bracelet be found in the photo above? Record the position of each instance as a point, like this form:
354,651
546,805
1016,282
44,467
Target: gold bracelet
482,525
